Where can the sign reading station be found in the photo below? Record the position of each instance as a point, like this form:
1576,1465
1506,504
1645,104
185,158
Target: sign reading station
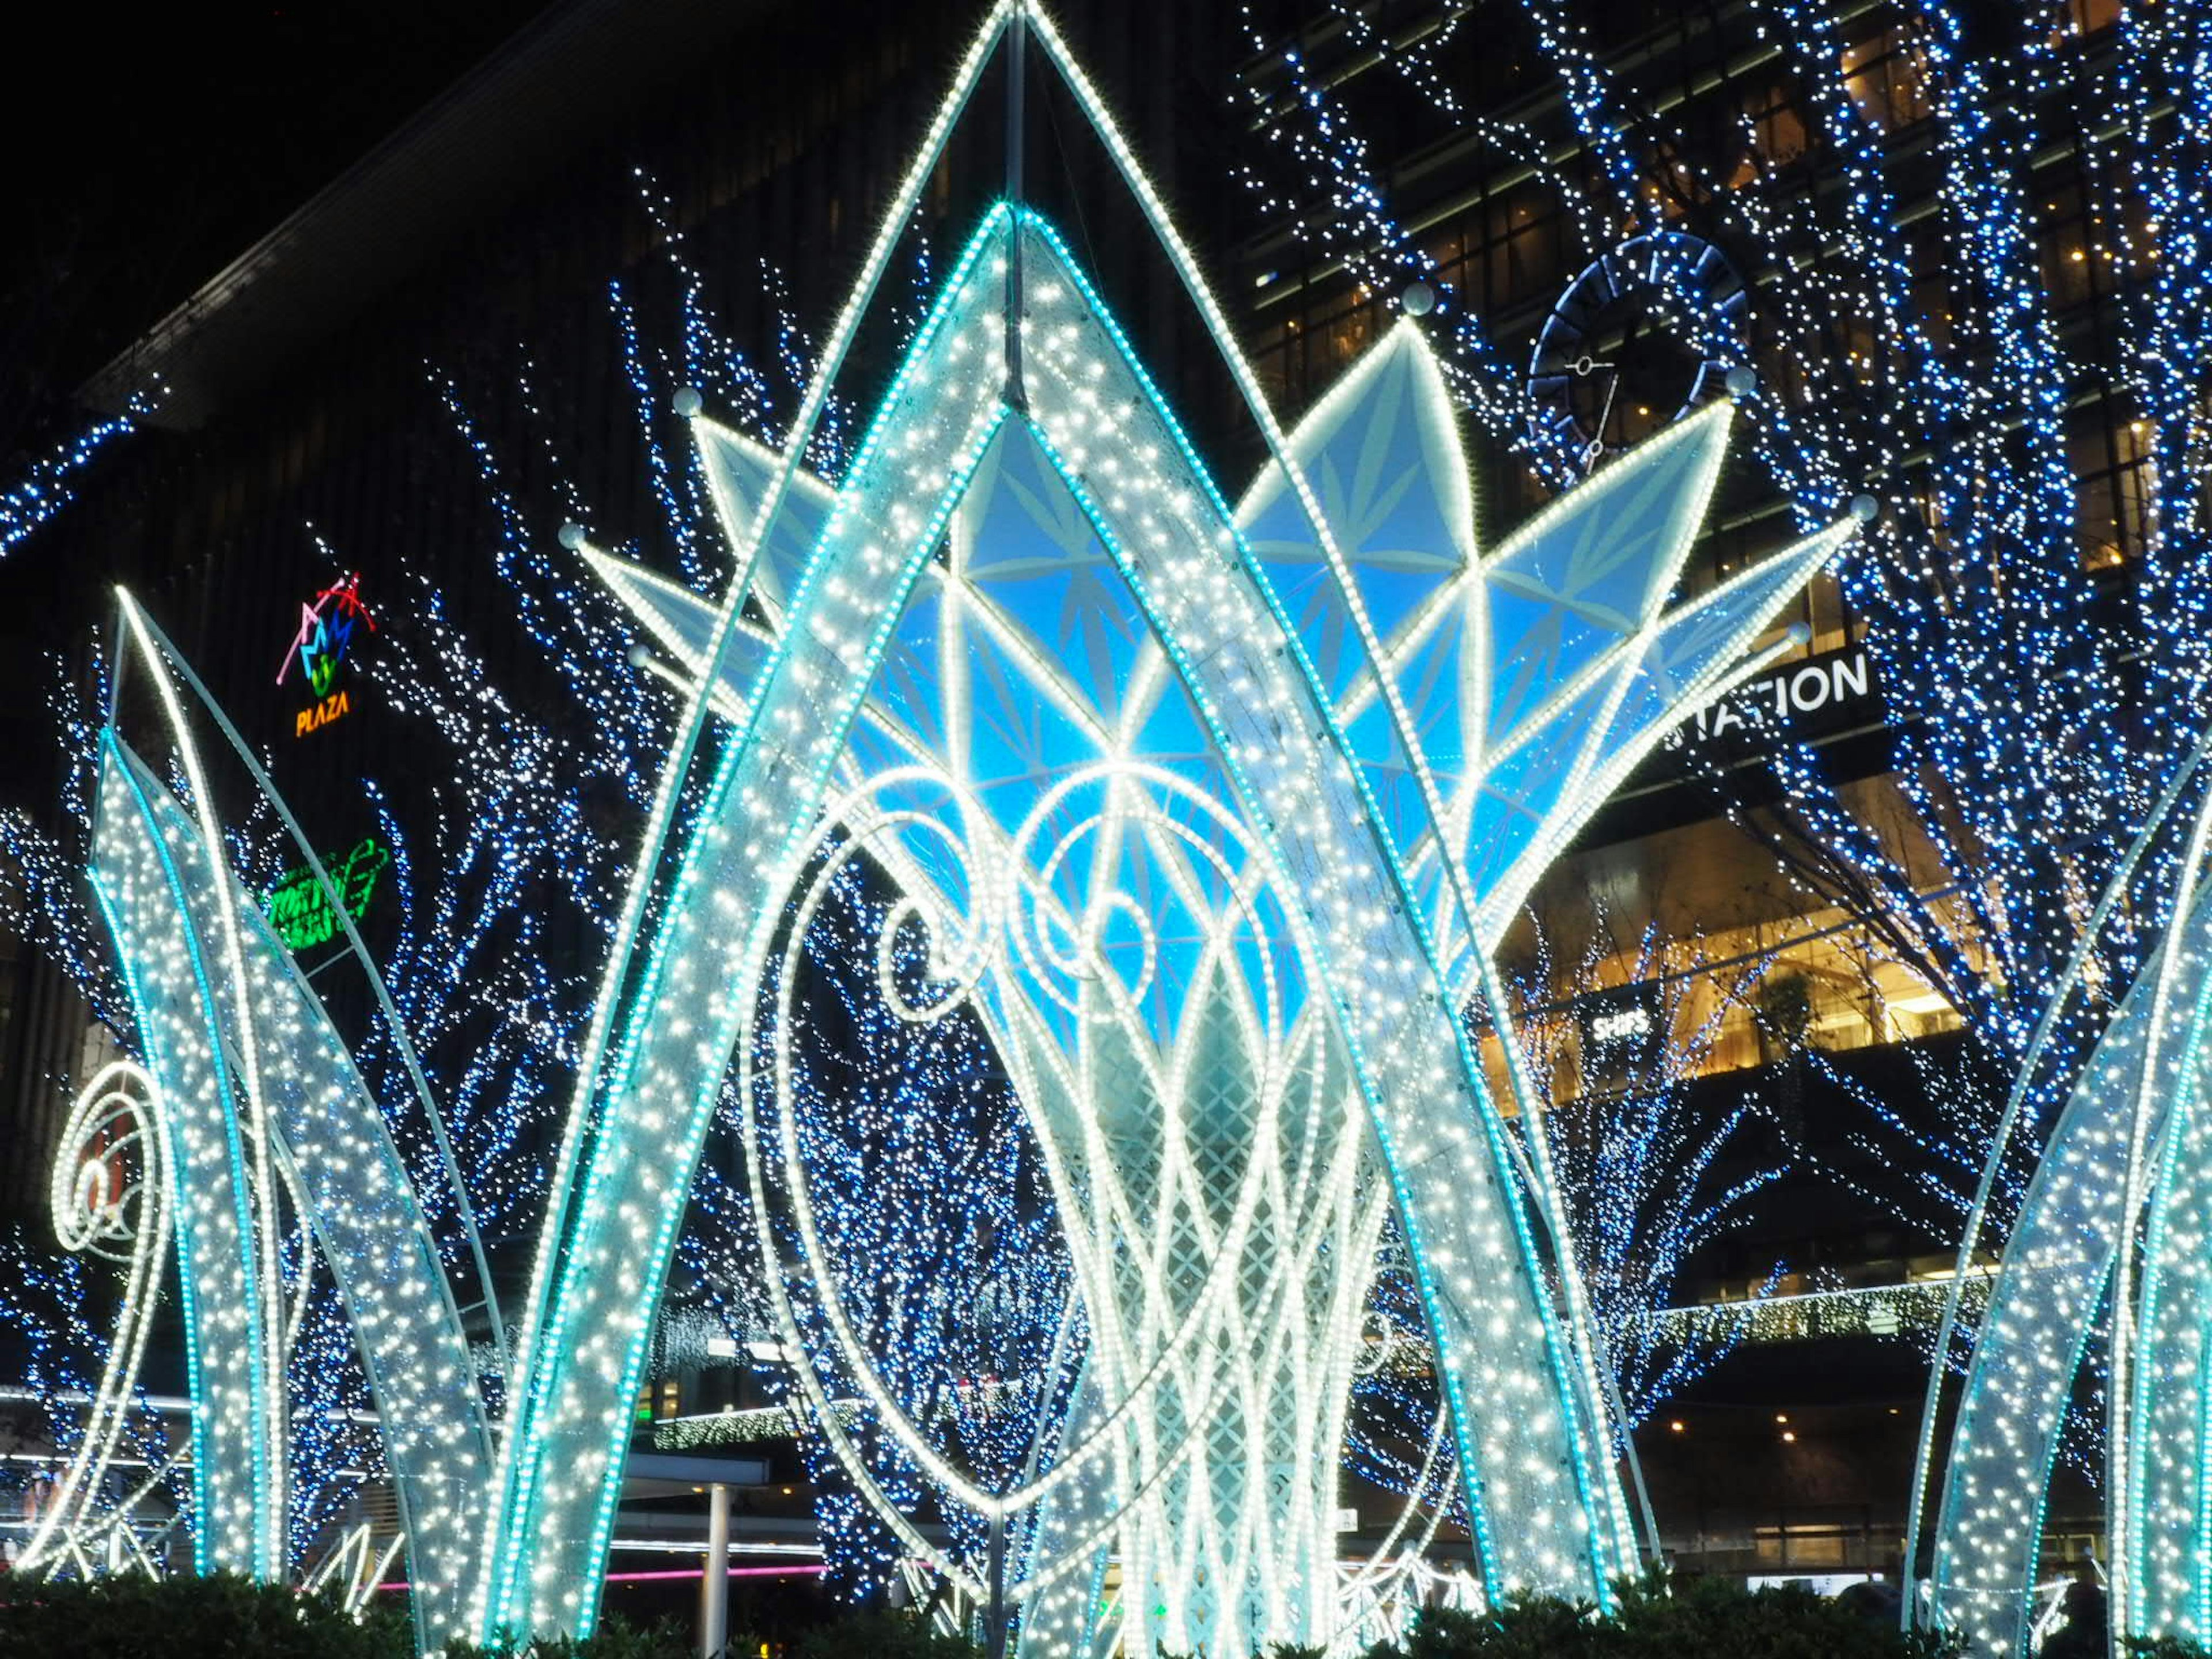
327,634
299,907
1809,698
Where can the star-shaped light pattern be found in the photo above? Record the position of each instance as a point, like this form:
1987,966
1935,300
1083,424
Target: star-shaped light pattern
1039,750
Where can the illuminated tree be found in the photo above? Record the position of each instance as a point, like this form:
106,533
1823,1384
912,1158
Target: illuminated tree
1905,302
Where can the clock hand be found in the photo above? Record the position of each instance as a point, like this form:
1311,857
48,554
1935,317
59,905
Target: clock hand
1605,415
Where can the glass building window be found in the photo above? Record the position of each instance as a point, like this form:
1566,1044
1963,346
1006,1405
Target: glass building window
1887,77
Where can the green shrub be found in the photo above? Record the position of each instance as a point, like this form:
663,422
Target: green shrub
1662,1618
881,1634
135,1618
226,1617
614,1638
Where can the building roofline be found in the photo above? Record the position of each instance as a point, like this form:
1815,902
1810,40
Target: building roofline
524,108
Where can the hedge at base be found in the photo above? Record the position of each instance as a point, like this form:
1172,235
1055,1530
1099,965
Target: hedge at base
1662,1618
223,1613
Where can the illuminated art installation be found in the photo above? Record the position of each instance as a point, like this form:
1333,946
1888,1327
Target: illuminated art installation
254,1124
1211,815
2111,1241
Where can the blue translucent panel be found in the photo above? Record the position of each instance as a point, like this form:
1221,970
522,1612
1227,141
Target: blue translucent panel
1517,795
1032,555
1019,741
1537,645
1173,735
1312,601
1014,664
1608,550
1432,683
1023,521
1595,564
740,472
1378,475
1388,772
1692,646
1384,462
909,690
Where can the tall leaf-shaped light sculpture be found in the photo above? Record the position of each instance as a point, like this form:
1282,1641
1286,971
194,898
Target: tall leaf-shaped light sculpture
1152,854
1020,623
2110,1242
260,1109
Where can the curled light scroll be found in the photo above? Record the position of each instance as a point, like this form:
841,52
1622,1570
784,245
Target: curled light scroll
109,1196
848,832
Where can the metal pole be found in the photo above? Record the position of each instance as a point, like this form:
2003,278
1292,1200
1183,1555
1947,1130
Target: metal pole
994,1619
1018,32
714,1584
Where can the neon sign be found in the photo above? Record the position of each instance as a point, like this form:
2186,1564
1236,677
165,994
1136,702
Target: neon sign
327,634
299,907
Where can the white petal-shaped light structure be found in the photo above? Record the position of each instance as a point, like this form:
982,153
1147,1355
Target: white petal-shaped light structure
1207,812
1051,626
1178,750
256,1087
2110,1242
1535,676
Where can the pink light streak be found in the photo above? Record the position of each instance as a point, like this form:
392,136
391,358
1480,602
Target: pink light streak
802,1572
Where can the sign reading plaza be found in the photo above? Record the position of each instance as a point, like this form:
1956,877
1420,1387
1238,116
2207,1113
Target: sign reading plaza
325,634
299,907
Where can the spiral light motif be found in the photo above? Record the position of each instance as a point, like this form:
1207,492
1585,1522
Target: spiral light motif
109,1197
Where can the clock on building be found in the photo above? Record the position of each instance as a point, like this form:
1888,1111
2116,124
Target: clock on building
1643,335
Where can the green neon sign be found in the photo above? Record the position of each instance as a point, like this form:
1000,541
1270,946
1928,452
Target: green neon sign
299,907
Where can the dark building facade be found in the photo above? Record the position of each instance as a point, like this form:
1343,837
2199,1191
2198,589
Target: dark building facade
487,255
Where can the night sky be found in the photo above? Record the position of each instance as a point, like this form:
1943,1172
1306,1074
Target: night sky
148,149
